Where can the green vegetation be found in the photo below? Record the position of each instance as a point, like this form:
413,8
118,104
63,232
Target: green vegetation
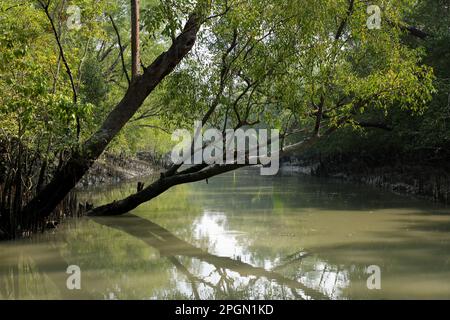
310,68
421,137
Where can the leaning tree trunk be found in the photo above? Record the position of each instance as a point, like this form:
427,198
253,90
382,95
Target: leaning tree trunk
193,174
160,186
81,160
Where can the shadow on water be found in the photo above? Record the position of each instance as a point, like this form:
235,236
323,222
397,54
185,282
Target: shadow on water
171,247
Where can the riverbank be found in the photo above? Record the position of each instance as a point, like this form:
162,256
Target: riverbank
426,180
111,169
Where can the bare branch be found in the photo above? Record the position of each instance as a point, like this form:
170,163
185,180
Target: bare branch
45,7
124,67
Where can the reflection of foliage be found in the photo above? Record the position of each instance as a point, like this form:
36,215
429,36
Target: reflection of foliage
114,266
117,268
24,280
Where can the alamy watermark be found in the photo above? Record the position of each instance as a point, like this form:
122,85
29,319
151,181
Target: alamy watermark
74,19
241,147
374,21
374,281
74,280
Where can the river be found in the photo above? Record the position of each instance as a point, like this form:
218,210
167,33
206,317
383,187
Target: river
241,236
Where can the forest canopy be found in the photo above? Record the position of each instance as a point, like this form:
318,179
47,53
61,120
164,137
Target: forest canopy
309,68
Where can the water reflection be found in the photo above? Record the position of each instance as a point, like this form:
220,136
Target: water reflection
242,236
215,276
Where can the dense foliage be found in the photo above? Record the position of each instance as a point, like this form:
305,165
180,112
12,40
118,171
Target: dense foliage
421,137
309,68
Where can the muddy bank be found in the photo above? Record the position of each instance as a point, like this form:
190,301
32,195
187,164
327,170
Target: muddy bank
426,180
110,169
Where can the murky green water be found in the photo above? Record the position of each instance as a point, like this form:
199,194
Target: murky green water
242,236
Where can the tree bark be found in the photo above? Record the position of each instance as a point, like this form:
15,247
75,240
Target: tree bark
81,160
135,48
124,206
193,174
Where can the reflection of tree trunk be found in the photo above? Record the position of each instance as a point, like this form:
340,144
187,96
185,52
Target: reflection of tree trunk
188,275
169,245
15,274
293,258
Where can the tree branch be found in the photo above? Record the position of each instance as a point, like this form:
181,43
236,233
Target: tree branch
45,7
124,67
344,22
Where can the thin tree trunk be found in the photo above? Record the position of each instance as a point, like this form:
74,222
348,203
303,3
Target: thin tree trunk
135,48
